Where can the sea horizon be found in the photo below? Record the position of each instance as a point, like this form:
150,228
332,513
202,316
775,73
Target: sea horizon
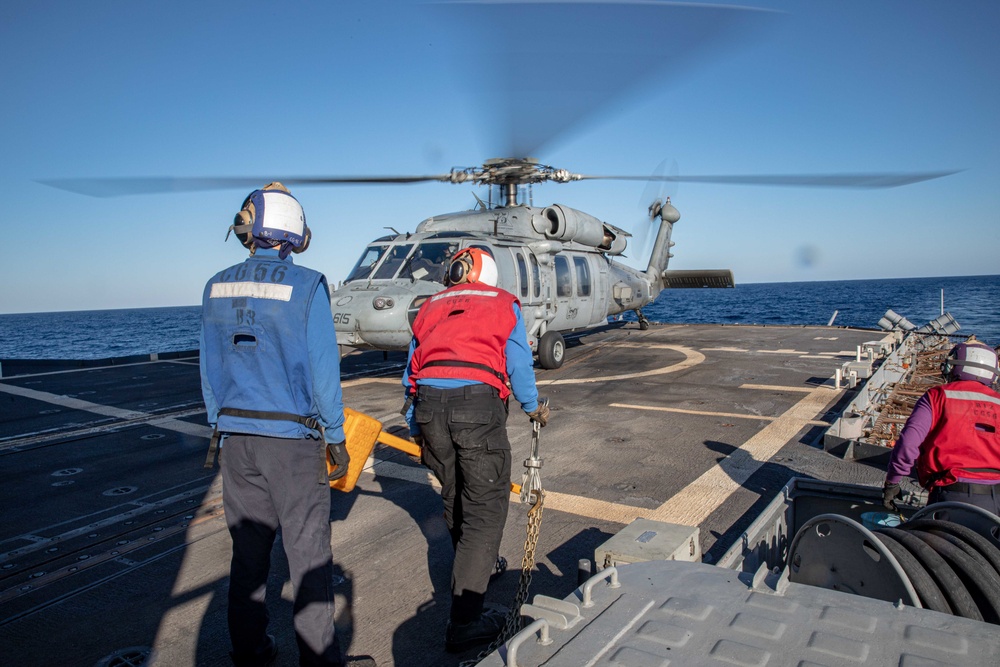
972,300
738,284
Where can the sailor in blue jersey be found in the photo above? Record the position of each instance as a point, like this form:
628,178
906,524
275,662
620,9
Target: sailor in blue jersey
270,370
468,354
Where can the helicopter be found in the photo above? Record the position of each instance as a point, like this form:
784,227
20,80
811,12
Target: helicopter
558,261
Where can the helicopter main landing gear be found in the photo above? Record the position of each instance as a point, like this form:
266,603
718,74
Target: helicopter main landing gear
643,322
551,350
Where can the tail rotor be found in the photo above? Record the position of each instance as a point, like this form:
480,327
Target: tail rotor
658,192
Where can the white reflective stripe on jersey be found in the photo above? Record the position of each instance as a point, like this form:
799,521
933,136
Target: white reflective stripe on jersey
250,289
463,292
970,396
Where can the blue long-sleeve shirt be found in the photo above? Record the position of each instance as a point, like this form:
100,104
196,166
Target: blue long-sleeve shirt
520,371
324,358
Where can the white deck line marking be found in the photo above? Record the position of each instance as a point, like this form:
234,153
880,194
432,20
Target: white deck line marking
144,362
695,502
691,358
707,413
700,498
725,349
775,387
361,381
166,423
73,403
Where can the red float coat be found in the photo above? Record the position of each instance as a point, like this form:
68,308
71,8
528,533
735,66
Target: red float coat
469,324
964,437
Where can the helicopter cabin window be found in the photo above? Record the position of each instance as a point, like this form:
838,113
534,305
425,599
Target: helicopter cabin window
393,260
535,277
369,258
522,275
564,280
582,276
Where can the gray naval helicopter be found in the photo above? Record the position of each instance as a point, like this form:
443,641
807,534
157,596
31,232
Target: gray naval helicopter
558,261
561,263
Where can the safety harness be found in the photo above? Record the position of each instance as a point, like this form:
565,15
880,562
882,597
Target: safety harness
467,364
308,422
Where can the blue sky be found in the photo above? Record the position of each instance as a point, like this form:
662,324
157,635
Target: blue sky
191,89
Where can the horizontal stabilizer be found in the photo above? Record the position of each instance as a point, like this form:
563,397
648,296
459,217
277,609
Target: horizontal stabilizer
702,278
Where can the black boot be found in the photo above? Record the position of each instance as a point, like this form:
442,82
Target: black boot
462,637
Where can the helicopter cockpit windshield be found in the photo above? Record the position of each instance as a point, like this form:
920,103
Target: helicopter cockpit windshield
369,258
392,262
422,261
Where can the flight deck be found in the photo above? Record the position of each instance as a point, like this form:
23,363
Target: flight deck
114,550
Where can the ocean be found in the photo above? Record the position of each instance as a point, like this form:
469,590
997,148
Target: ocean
973,301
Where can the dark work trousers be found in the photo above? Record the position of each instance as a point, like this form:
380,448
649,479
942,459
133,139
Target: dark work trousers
267,483
986,496
466,447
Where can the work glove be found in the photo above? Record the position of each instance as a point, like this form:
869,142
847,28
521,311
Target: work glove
540,415
417,439
340,457
889,494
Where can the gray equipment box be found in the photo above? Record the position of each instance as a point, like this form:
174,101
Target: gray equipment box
644,540
742,611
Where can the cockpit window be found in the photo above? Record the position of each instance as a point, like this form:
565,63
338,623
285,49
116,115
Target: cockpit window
369,258
393,260
429,261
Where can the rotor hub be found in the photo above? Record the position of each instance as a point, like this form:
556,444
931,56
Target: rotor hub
512,171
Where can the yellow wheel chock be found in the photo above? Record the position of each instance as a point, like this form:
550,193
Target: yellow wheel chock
362,432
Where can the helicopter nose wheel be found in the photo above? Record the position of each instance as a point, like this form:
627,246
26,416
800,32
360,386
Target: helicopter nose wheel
551,350
643,322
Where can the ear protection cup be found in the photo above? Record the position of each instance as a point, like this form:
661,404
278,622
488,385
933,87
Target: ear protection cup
306,238
243,224
462,269
473,265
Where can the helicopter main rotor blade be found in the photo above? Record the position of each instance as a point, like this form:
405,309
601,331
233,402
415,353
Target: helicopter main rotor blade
115,187
858,180
557,66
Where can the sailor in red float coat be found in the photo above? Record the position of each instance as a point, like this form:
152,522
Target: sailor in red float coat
468,354
963,442
951,436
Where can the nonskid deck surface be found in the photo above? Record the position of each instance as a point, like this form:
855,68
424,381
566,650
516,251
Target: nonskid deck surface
113,541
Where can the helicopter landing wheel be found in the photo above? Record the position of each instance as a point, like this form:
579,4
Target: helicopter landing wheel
643,322
551,350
